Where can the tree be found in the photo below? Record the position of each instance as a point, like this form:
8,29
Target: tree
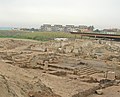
91,28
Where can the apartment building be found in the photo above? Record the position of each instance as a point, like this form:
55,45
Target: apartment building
67,28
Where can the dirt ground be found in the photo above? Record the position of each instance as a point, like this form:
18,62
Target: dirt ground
72,68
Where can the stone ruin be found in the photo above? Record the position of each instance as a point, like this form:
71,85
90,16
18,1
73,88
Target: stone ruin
66,58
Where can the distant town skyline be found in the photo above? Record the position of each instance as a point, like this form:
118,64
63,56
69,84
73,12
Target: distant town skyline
33,13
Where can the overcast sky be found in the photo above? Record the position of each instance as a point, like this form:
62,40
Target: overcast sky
33,13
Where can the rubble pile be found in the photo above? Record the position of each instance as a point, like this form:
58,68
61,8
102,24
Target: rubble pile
88,49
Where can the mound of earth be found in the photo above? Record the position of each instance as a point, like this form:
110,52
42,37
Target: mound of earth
17,82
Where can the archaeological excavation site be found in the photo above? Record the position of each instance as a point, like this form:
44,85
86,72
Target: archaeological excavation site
55,68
